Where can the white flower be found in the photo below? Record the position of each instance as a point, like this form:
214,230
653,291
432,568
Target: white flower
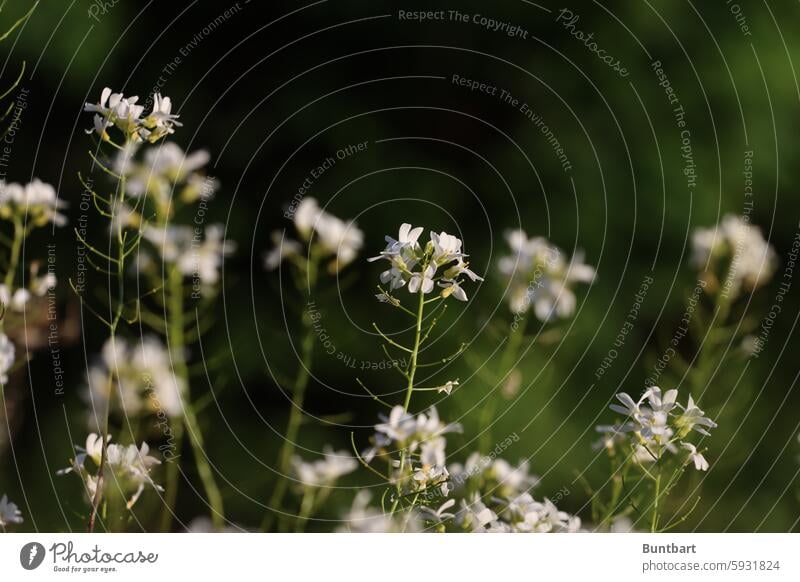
737,246
195,256
325,471
417,266
656,421
165,171
17,301
539,275
422,281
446,248
699,460
161,120
9,513
36,202
142,380
7,355
115,109
129,466
447,387
327,234
364,519
282,248
204,260
692,418
475,515
440,514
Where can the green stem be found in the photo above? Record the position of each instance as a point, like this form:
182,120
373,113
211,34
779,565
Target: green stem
171,485
412,366
654,520
510,353
298,402
177,347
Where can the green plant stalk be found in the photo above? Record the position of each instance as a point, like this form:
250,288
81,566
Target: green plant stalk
177,347
412,370
298,401
412,366
171,484
656,495
510,353
112,332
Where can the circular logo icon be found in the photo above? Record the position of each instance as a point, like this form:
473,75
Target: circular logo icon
31,555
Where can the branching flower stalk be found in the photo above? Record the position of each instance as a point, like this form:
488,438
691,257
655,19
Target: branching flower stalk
540,281
323,238
652,442
123,114
419,441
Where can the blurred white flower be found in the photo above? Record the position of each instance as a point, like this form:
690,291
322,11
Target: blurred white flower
364,519
17,301
323,472
327,235
134,378
735,252
7,355
9,513
165,172
282,248
36,203
441,514
192,254
540,276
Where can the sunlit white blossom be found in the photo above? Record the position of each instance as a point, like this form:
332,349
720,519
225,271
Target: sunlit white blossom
421,268
129,466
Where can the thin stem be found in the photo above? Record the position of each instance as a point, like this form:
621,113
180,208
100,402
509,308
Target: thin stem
510,354
412,365
298,401
177,347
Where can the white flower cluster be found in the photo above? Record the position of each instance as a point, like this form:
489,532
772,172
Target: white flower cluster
38,287
9,513
124,113
165,171
325,234
495,475
655,424
422,438
416,266
7,357
540,276
128,465
141,380
521,514
194,256
736,252
323,472
498,499
36,203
